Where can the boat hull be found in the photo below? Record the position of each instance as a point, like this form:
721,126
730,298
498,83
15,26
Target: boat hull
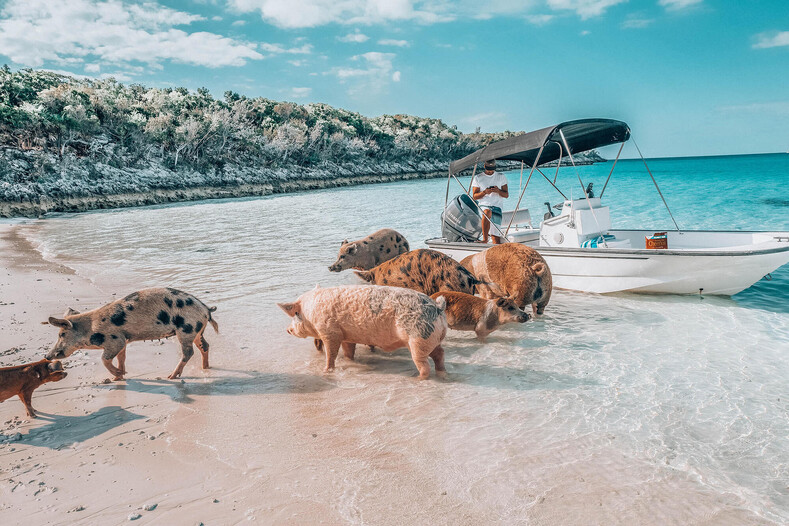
709,271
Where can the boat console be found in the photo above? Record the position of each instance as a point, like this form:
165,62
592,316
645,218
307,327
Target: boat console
582,223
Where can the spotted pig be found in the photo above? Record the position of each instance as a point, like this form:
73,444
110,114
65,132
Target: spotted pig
370,251
483,316
520,272
423,270
148,314
387,317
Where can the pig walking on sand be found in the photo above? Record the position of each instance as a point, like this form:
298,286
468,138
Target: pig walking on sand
148,314
470,313
519,271
424,270
385,317
370,251
22,380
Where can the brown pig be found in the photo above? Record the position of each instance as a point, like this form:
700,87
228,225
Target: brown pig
22,380
519,271
470,313
149,314
387,317
424,270
366,253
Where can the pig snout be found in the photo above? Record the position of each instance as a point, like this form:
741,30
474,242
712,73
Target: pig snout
523,317
290,331
334,268
55,354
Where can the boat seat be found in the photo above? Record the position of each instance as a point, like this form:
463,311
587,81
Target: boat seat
521,217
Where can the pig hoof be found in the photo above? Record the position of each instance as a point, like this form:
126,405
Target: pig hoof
442,374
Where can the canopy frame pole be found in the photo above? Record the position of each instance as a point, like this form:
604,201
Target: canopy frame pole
520,184
446,202
583,188
612,169
550,183
558,164
656,185
517,207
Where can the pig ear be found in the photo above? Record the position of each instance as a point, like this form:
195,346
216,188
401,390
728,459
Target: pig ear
289,308
352,248
501,302
63,324
71,312
33,371
344,242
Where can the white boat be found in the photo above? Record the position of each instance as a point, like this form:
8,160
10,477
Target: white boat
580,246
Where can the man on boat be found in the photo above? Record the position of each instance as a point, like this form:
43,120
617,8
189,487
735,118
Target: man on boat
489,191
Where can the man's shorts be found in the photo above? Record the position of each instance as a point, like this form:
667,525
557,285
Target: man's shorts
495,213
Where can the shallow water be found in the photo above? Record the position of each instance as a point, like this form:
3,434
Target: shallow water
687,390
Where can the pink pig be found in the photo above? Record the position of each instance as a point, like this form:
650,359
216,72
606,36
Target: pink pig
385,317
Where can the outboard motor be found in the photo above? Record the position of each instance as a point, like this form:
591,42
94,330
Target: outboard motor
460,220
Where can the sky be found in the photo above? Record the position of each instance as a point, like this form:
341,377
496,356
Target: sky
690,77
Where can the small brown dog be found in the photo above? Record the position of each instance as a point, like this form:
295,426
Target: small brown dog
470,313
22,380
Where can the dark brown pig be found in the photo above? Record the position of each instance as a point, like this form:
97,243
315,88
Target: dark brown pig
470,313
22,380
520,272
370,251
424,270
149,314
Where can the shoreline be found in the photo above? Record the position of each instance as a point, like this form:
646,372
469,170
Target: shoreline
46,204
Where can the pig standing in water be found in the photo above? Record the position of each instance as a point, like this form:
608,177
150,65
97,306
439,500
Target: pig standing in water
519,271
385,317
149,314
470,313
424,270
370,251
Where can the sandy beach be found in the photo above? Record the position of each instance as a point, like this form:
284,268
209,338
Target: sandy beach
273,440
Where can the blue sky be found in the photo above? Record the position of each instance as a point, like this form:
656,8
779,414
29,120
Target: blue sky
691,77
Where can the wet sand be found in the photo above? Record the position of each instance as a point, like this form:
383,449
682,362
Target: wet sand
253,441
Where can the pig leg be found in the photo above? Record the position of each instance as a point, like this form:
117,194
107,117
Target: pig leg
349,349
113,349
186,353
27,399
419,354
203,346
438,359
332,348
122,361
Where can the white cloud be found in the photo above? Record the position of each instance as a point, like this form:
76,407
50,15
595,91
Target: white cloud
676,5
356,38
312,13
115,32
300,93
539,20
374,72
488,121
391,42
277,49
584,8
239,23
584,33
92,68
772,39
633,22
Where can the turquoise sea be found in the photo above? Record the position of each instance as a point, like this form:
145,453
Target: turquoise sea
677,404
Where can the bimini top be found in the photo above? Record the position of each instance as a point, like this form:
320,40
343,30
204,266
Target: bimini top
581,135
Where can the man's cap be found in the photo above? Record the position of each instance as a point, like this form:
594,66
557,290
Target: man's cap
490,165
